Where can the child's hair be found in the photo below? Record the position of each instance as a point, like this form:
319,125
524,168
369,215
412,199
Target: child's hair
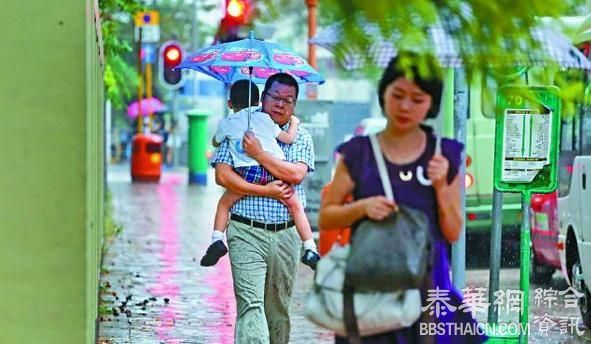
239,94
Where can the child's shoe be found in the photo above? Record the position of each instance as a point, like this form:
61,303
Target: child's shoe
311,259
214,252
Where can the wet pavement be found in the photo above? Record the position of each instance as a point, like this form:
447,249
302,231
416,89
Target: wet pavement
156,292
152,277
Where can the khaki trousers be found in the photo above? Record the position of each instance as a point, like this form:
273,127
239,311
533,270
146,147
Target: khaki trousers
264,265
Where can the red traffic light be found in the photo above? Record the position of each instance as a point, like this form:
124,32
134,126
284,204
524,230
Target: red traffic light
235,8
172,55
238,11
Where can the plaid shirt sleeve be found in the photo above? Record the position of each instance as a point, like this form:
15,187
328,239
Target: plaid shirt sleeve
222,155
302,150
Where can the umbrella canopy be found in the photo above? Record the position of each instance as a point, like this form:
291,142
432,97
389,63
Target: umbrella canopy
553,49
149,105
229,62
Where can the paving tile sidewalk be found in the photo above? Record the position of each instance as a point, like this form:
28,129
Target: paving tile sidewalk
153,283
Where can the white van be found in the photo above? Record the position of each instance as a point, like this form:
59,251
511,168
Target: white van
574,208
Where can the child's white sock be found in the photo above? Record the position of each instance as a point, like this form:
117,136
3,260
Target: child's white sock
217,235
310,244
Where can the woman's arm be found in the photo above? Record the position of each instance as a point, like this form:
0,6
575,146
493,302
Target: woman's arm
449,209
335,214
290,135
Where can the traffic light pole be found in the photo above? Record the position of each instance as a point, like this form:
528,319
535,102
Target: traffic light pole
140,83
149,92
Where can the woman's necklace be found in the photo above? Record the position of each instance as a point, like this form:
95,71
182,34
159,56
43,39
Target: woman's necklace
407,157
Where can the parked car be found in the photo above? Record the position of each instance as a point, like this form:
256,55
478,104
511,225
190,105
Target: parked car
545,253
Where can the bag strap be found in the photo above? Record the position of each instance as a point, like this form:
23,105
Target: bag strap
379,156
349,318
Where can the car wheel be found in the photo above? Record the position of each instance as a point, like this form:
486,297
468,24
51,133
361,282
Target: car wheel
539,273
579,285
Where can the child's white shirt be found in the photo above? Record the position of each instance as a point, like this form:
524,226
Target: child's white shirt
233,127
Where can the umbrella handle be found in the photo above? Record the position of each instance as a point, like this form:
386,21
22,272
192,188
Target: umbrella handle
249,94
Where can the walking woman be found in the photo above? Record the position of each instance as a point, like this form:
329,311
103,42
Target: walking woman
420,179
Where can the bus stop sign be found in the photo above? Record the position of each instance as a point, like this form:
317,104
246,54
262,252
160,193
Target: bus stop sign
526,138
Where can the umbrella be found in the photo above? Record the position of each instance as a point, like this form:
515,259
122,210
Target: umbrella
232,61
252,59
149,105
554,48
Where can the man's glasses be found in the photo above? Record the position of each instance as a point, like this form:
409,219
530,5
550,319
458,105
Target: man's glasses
277,99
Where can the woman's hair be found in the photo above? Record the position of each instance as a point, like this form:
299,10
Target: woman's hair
432,86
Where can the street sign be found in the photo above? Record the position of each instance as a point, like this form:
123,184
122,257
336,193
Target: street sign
527,135
147,25
148,53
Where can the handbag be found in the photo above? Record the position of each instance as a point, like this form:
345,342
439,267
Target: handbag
375,312
358,303
392,254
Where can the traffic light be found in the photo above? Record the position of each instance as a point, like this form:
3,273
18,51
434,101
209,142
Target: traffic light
171,54
237,15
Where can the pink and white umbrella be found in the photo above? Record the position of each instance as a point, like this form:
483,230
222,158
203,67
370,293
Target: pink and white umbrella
149,105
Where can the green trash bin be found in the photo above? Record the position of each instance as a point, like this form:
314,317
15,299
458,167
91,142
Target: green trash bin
198,162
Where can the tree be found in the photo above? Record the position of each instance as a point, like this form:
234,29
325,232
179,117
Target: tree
488,31
119,76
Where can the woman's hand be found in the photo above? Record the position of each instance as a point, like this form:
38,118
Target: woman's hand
378,207
437,171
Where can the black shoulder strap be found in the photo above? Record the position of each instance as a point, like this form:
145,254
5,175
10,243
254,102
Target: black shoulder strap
349,317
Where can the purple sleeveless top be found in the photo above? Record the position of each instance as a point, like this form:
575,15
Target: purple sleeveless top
408,184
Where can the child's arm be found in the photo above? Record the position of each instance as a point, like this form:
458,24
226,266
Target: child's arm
289,136
219,135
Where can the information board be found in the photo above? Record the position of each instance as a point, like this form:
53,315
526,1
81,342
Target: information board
526,139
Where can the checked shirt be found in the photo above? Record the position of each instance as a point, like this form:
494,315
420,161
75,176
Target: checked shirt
266,209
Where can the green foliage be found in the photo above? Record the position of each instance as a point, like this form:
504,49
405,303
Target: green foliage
488,32
120,77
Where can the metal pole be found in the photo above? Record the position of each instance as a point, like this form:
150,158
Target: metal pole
312,6
524,262
149,95
311,88
461,101
495,254
140,91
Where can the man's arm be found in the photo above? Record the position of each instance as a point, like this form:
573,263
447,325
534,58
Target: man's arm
228,178
290,172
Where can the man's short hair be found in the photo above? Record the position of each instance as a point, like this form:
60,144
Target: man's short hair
284,79
239,94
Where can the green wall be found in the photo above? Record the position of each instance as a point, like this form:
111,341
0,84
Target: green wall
52,158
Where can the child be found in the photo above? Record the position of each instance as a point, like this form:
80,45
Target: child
233,128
